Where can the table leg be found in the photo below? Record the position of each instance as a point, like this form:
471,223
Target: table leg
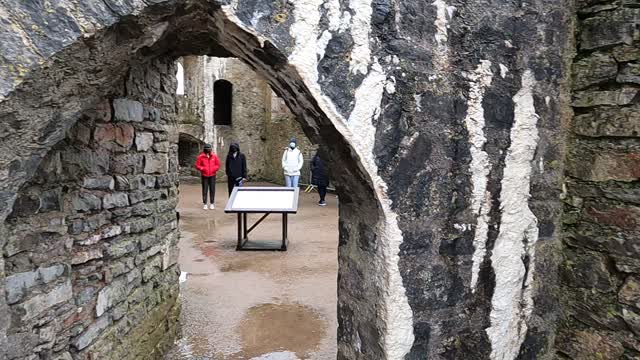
239,246
244,224
284,231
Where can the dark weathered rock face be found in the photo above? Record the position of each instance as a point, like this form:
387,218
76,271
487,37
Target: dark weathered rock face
601,264
446,118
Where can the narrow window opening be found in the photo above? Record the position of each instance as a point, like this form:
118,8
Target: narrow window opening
180,78
222,101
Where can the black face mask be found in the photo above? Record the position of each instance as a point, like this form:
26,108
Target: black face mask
206,151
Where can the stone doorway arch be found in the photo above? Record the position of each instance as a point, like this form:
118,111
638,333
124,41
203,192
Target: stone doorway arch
108,96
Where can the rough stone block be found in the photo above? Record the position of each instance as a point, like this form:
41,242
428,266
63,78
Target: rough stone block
51,200
152,114
167,180
632,319
121,266
128,110
609,121
162,147
591,345
85,294
604,31
626,53
47,334
110,136
139,225
127,164
629,73
102,111
630,292
142,209
595,69
17,285
627,264
83,255
169,256
124,135
111,295
587,270
114,200
623,217
590,98
21,344
143,256
84,162
38,304
605,166
104,233
147,240
152,268
144,140
48,274
156,163
84,201
123,183
83,133
99,183
120,311
89,223
92,332
25,205
141,195
167,205
124,246
62,356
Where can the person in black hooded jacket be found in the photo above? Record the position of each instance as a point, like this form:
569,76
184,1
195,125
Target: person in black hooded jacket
319,177
236,167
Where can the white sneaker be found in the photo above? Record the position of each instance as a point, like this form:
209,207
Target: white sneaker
204,207
211,207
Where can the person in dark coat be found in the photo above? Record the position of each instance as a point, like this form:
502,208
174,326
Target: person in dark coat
236,167
319,177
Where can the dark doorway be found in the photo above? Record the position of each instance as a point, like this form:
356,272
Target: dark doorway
188,150
222,97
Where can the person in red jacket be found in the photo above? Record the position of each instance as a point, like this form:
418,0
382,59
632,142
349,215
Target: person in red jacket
208,164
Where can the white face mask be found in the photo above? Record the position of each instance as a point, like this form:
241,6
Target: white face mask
292,145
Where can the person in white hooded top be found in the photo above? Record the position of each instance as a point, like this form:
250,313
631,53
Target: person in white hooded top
292,163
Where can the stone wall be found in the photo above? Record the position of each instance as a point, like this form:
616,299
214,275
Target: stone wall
446,118
601,268
92,239
249,109
261,122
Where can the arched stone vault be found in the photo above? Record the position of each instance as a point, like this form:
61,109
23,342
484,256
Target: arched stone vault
444,118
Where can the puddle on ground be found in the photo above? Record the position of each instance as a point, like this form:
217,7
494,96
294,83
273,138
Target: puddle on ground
280,329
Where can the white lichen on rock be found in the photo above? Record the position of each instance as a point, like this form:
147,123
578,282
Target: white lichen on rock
479,167
512,301
360,31
397,314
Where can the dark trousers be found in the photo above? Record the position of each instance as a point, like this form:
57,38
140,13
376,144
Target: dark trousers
208,185
322,191
231,184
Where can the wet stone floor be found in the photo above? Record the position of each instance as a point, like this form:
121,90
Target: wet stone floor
257,305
